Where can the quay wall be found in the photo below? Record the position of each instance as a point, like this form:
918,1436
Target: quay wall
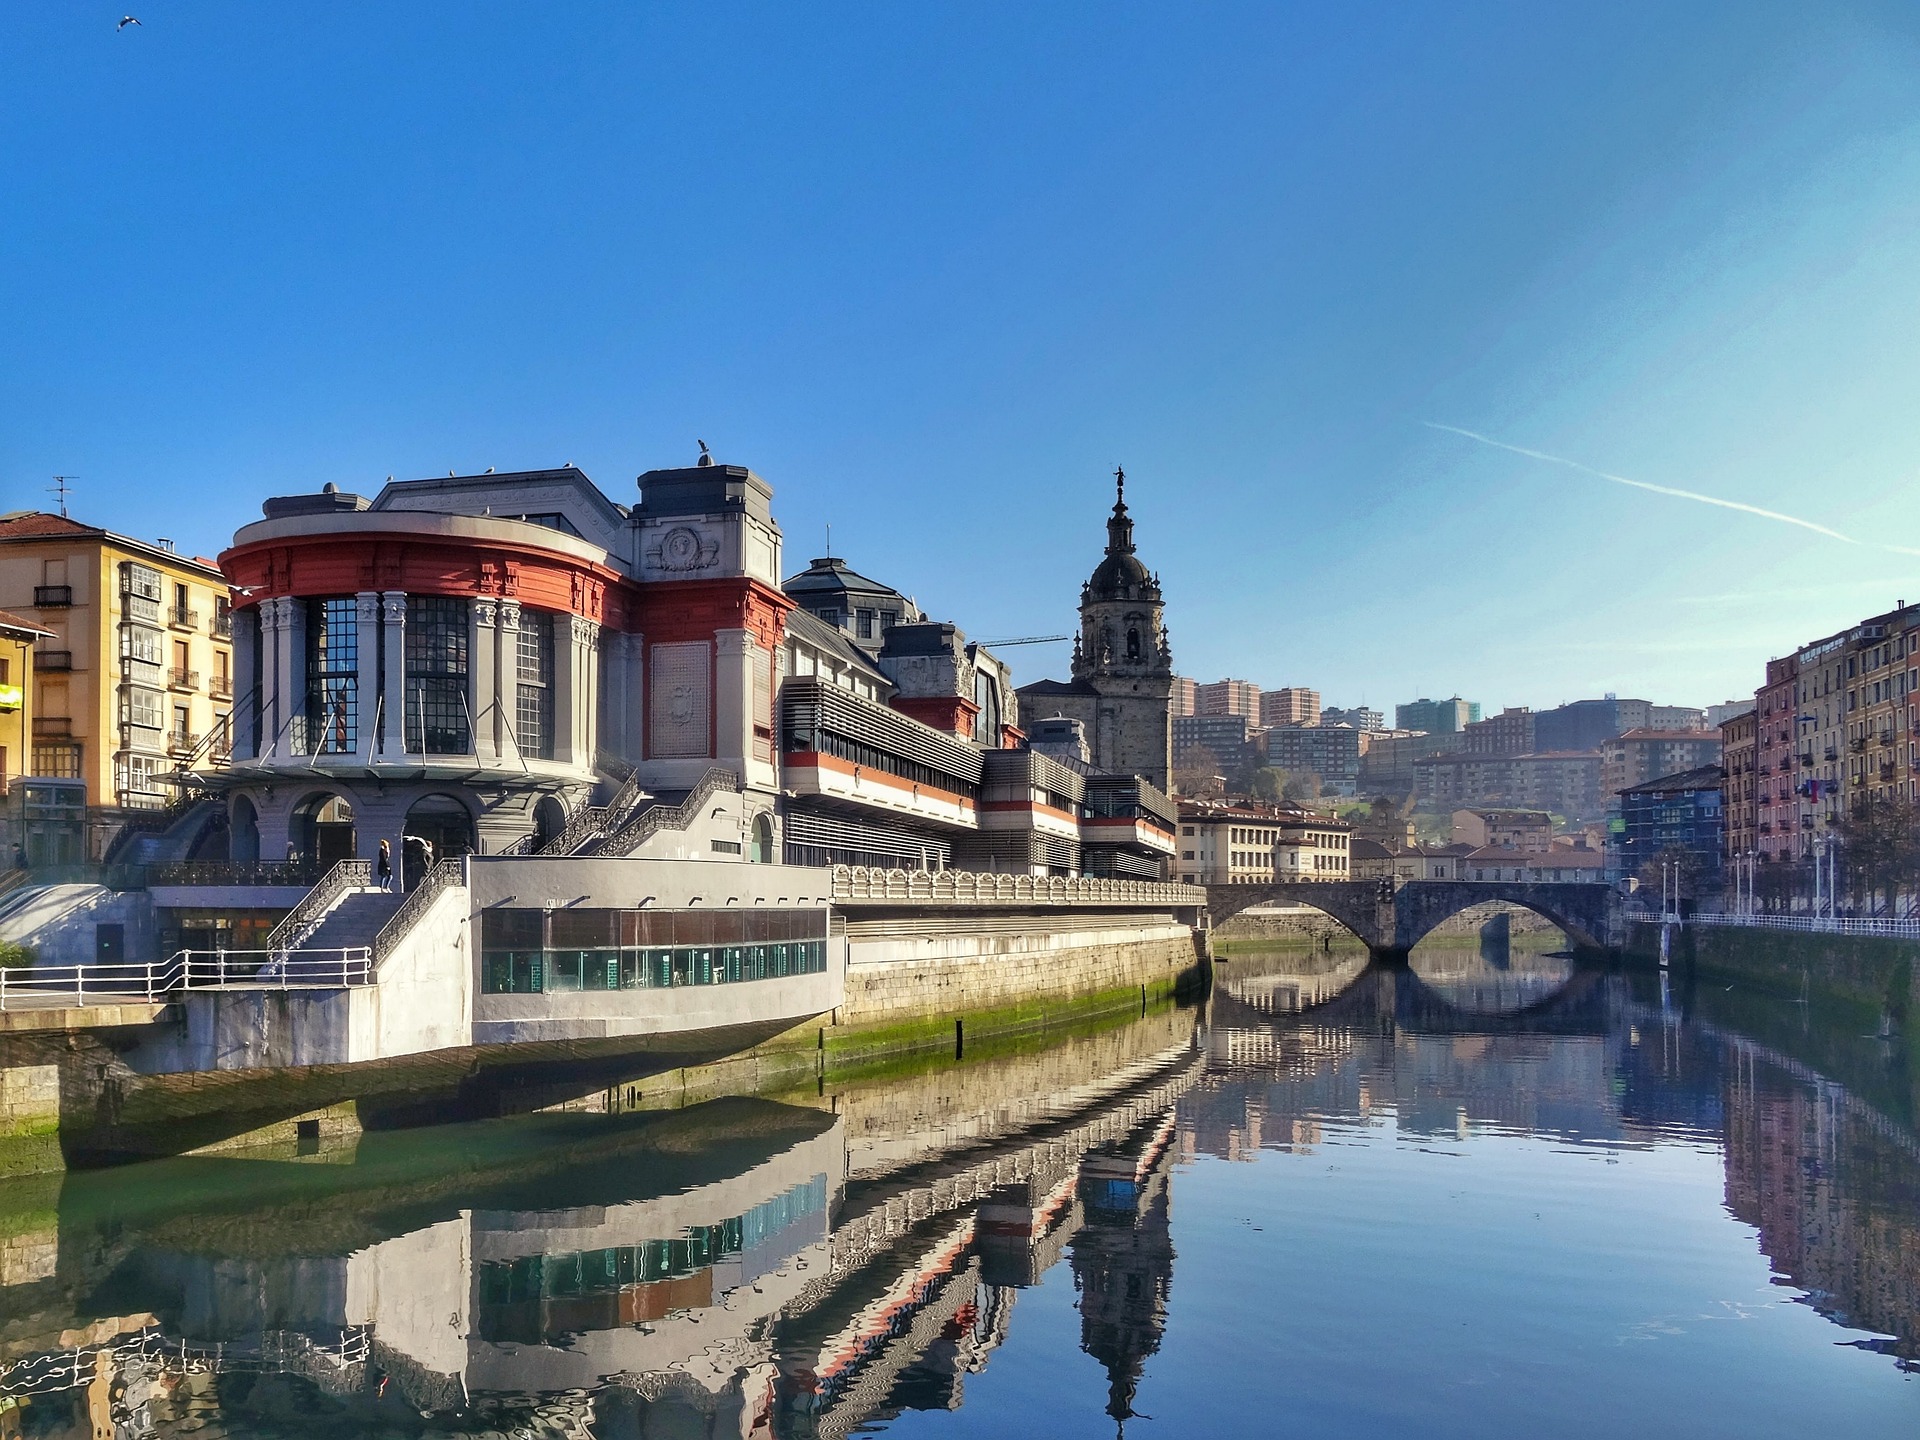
1879,972
228,1069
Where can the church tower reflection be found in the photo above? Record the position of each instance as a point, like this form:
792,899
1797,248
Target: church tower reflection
1122,1258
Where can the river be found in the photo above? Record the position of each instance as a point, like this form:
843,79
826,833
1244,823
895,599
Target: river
1494,1194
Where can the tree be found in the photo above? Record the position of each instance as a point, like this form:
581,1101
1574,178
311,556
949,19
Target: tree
1672,858
1199,773
1880,849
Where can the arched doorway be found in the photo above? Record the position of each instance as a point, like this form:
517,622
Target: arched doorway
243,831
761,852
438,828
549,819
321,831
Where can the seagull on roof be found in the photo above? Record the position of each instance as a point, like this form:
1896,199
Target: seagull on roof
126,20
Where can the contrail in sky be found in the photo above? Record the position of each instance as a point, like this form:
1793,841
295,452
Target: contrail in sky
1658,489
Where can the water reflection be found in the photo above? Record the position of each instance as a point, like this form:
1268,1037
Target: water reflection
856,1258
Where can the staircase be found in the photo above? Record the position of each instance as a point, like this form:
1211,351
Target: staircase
354,922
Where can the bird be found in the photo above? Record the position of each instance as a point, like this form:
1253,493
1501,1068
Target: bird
706,456
126,20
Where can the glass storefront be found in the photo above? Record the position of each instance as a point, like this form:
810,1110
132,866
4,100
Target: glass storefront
532,952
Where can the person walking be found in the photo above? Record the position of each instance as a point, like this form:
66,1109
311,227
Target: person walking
383,867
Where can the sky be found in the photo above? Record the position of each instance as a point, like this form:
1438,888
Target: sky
935,269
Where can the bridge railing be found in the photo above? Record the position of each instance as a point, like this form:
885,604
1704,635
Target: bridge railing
132,982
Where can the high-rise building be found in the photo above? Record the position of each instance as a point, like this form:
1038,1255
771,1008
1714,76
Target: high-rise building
1508,733
1584,724
1182,698
1227,738
1228,697
1290,705
1331,752
1439,717
1640,756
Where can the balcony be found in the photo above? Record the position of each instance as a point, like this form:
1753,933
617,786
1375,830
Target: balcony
1858,747
141,608
1832,753
178,679
223,623
52,597
181,742
52,727
220,686
181,618
47,661
1806,757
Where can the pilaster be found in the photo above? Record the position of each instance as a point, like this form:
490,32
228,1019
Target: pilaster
506,669
733,697
289,679
393,714
576,681
483,679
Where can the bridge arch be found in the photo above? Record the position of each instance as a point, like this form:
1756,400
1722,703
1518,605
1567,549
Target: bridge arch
1583,911
1364,908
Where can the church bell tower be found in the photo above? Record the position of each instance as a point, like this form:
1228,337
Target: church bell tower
1123,656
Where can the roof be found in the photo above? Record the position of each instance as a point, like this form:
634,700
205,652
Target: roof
1701,777
819,633
1361,848
1041,688
1551,859
17,625
27,525
1649,733
830,575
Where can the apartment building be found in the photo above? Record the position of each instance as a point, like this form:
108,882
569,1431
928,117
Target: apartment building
1508,733
1257,845
1739,758
1182,699
1642,755
134,680
1290,705
1228,697
1331,752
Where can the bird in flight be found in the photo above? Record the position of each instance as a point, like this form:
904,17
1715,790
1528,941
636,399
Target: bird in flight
126,20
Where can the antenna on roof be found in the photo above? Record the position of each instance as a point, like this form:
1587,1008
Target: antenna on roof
61,488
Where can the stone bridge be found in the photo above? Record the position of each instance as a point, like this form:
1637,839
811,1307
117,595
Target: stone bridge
1391,916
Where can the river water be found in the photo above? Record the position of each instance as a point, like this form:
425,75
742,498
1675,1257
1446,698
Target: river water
1493,1195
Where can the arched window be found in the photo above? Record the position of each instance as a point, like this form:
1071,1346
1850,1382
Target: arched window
1133,642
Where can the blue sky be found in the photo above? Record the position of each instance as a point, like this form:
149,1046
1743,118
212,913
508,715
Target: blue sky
934,269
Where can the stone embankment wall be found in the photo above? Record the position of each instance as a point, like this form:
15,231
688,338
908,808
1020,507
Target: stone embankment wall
1865,969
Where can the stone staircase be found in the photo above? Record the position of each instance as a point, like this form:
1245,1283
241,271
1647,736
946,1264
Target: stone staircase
354,922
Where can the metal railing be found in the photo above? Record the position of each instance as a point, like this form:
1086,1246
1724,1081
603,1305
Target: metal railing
42,986
857,883
346,875
183,616
655,818
277,1350
1886,925
234,872
444,876
591,822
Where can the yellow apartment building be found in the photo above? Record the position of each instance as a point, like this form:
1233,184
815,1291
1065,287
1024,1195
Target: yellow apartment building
134,679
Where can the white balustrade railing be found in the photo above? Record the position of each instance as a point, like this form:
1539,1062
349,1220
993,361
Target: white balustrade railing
1887,925
856,884
47,986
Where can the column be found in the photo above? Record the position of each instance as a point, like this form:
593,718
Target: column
483,671
393,714
622,699
366,611
506,666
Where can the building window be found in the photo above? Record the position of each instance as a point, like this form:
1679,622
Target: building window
57,761
333,676
534,708
436,697
863,624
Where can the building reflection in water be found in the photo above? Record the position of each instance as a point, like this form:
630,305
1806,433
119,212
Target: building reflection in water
750,1269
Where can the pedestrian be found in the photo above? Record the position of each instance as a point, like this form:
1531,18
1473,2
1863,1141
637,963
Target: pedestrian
384,867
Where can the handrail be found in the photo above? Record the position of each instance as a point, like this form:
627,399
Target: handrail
344,876
856,883
444,876
655,818
129,982
590,821
1888,925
